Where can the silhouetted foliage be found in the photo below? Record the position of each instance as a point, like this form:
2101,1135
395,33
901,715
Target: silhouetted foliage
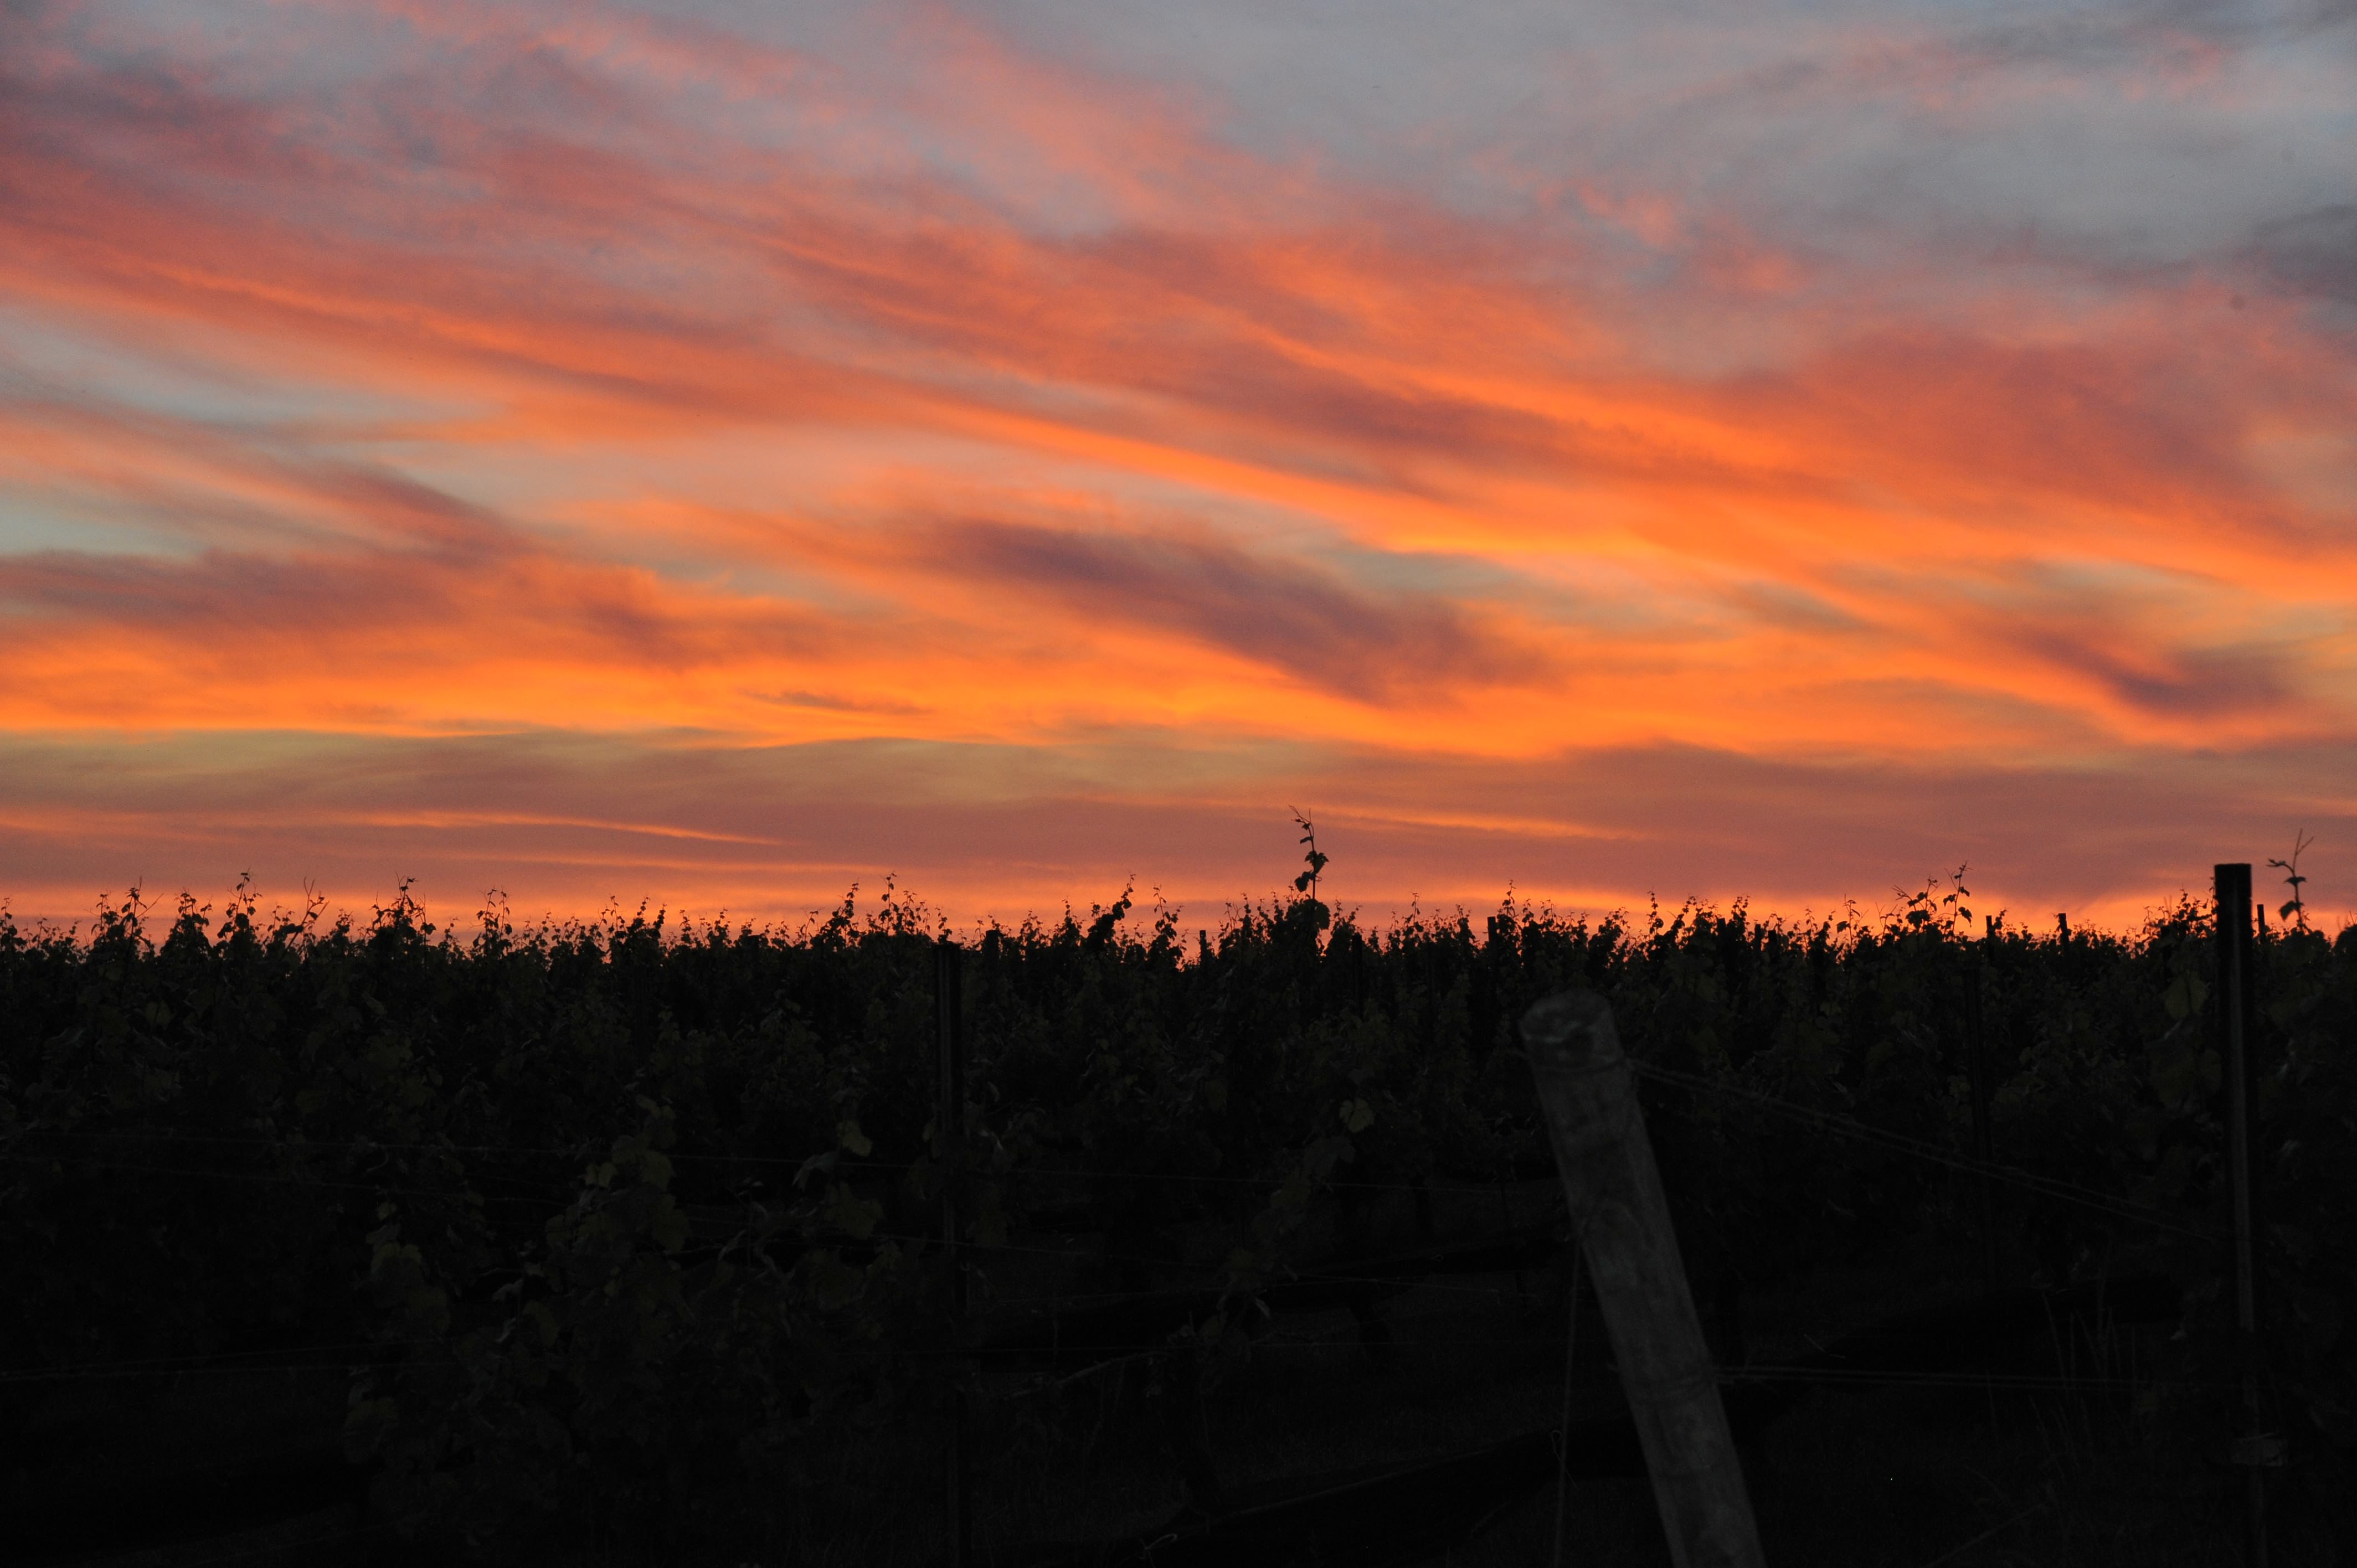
631,1224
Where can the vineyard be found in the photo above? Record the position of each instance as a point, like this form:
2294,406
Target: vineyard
618,1243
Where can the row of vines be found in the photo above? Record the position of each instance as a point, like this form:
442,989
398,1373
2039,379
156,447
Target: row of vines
627,1230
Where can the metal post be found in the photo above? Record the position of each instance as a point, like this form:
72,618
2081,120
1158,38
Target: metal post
1976,1065
1570,1370
1618,1210
2237,1012
949,1018
1506,1228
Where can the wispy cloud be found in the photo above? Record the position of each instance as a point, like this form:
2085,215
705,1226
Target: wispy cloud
564,824
2312,253
1284,613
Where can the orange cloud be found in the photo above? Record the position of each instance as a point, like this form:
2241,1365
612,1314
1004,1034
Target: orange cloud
431,372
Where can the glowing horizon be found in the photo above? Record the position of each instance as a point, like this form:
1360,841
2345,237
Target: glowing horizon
721,456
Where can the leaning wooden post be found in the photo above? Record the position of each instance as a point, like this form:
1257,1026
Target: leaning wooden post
949,1018
1619,1212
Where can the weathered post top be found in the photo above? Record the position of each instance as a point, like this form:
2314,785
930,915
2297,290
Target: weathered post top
1585,1082
1573,1029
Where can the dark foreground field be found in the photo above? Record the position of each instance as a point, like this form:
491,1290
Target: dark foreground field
617,1244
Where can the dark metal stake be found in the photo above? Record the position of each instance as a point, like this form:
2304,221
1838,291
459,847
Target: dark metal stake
1506,1227
1563,1441
2237,1012
949,1018
1977,1063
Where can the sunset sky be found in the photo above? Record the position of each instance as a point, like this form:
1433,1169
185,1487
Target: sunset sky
717,454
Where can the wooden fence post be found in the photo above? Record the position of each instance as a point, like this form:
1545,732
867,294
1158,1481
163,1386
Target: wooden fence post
949,1018
1622,1219
2257,1449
